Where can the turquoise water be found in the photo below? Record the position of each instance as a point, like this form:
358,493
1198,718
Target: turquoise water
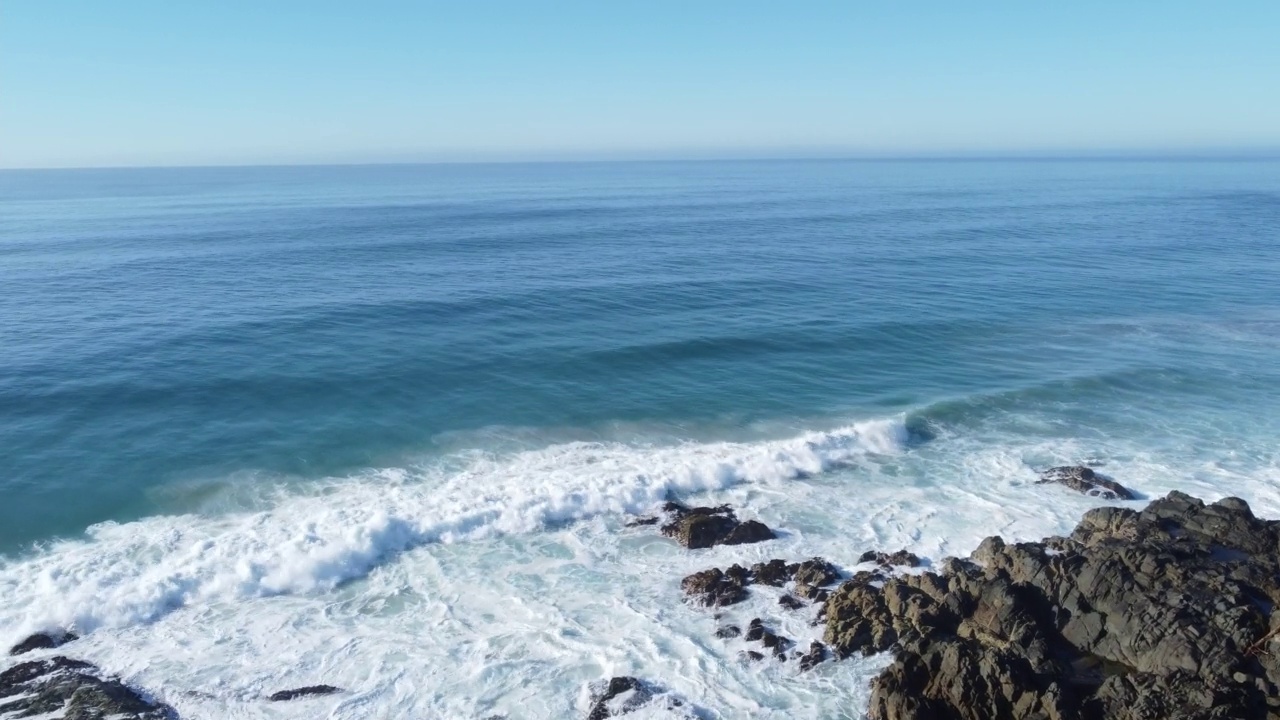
272,392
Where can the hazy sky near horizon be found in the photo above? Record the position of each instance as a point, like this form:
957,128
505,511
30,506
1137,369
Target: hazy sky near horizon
145,82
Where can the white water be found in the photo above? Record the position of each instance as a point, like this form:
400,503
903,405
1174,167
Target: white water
504,584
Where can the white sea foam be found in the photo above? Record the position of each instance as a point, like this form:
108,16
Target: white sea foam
505,584
137,572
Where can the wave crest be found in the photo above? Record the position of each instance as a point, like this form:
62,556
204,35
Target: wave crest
341,529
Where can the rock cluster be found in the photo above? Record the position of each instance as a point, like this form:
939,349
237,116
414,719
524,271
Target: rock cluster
65,688
703,527
1085,480
1166,613
716,587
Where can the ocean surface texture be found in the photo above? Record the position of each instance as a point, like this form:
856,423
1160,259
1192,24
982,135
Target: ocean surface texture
383,427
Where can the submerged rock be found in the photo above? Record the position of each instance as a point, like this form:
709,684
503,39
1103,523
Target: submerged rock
310,690
728,631
703,527
623,695
1166,613
43,641
790,602
1085,480
61,688
817,654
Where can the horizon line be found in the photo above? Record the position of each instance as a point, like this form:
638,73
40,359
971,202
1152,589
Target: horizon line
1236,155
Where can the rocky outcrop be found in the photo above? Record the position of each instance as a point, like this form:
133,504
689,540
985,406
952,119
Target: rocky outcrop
623,695
703,527
1166,613
1085,480
43,641
716,587
901,558
72,690
308,691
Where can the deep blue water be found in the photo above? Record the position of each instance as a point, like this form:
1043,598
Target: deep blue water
165,329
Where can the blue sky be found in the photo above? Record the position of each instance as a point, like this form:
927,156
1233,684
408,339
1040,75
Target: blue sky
132,82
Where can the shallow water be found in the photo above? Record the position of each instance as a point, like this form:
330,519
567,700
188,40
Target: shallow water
383,427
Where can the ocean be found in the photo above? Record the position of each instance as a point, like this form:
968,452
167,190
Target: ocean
384,427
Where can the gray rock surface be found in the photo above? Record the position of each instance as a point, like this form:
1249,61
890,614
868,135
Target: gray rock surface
43,641
716,587
1085,480
1164,614
65,689
624,695
703,527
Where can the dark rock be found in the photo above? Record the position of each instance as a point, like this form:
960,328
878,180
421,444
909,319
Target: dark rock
1170,612
703,527
309,690
73,690
812,576
790,603
714,587
883,559
751,655
43,641
775,573
755,629
717,587
817,654
751,531
1085,480
623,695
728,631
641,522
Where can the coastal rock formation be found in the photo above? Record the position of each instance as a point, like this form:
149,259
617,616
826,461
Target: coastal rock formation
310,690
716,587
43,641
623,695
63,688
703,527
901,558
1166,613
1085,480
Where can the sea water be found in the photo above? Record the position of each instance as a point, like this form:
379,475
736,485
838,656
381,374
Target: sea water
384,427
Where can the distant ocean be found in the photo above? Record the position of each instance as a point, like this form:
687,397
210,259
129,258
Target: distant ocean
383,427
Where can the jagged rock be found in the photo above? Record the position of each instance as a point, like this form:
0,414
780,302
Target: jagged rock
715,587
1085,480
728,631
1164,613
755,629
817,654
751,531
307,691
790,603
751,655
703,527
775,573
883,559
43,641
61,688
623,695
812,576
